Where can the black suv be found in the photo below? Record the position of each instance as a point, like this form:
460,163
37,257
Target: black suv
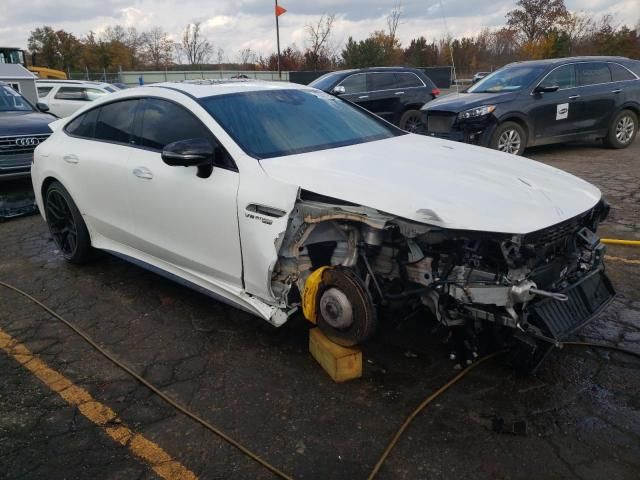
394,93
22,128
546,101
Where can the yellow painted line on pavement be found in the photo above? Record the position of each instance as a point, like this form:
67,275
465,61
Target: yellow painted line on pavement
98,413
628,261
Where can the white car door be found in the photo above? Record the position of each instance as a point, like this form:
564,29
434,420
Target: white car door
95,165
180,218
66,100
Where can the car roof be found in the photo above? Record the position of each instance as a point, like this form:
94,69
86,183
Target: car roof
558,61
208,88
85,83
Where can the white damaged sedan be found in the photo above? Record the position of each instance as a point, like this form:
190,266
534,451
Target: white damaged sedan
276,197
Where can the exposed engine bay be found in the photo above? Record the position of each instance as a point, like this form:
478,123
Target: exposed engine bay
341,262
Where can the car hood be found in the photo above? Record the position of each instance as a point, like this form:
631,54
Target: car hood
458,102
24,123
442,183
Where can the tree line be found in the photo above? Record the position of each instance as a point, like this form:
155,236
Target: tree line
534,29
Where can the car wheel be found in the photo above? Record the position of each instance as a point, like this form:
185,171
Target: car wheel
509,137
66,225
622,130
411,121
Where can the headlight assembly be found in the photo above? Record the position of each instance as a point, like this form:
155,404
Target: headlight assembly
476,112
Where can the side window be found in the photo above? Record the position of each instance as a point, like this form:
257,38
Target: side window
85,125
44,91
115,121
408,80
593,73
94,93
619,73
164,122
71,93
563,77
382,81
355,83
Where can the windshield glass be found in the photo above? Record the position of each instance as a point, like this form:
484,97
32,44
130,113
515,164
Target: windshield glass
274,123
508,79
325,81
12,101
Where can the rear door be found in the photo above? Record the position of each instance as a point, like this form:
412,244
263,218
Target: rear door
596,95
556,114
384,98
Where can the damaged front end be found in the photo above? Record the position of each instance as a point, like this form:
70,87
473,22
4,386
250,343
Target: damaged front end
342,261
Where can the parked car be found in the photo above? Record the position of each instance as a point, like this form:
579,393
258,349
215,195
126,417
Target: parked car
275,197
66,96
479,76
22,127
544,101
394,93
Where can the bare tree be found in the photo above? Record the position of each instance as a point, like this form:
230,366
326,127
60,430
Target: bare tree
577,26
158,47
534,18
393,20
320,49
246,57
197,49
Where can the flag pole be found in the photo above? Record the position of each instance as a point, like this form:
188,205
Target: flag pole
278,41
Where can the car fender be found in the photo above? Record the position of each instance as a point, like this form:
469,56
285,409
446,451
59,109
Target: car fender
519,117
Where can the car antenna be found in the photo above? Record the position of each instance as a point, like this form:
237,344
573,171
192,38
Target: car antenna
446,29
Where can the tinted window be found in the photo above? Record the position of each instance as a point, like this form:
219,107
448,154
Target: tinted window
593,73
408,80
563,77
273,123
71,93
115,121
619,73
164,122
508,79
44,91
382,81
84,125
355,83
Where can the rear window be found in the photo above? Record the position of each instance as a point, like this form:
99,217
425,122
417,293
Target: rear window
382,81
593,73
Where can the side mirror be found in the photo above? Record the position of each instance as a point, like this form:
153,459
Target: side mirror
339,90
546,88
43,107
194,152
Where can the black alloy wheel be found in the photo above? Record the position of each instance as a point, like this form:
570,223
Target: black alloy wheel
66,225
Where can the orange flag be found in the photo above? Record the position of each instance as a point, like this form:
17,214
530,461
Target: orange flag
280,10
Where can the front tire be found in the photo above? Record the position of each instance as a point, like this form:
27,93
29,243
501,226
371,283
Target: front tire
66,224
509,137
411,121
623,130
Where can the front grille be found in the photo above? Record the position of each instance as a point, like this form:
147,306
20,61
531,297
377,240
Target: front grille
440,122
21,144
557,232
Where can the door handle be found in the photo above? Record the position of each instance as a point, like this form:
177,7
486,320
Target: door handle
617,90
399,93
363,96
574,97
71,158
143,172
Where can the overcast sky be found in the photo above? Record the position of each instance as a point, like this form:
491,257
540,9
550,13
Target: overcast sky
237,24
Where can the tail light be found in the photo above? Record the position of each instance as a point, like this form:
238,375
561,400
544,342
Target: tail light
435,92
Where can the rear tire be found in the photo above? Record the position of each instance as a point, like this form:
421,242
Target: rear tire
66,224
623,130
411,121
509,137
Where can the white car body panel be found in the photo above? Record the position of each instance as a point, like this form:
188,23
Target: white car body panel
442,183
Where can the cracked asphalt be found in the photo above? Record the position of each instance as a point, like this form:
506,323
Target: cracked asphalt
261,386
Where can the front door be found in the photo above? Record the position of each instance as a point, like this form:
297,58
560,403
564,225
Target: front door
180,218
556,114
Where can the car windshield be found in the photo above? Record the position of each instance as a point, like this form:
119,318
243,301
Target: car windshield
325,81
12,101
275,123
508,79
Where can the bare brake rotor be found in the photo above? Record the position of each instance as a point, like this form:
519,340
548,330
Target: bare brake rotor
345,311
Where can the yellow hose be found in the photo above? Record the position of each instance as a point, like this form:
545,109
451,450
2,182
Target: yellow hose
616,241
